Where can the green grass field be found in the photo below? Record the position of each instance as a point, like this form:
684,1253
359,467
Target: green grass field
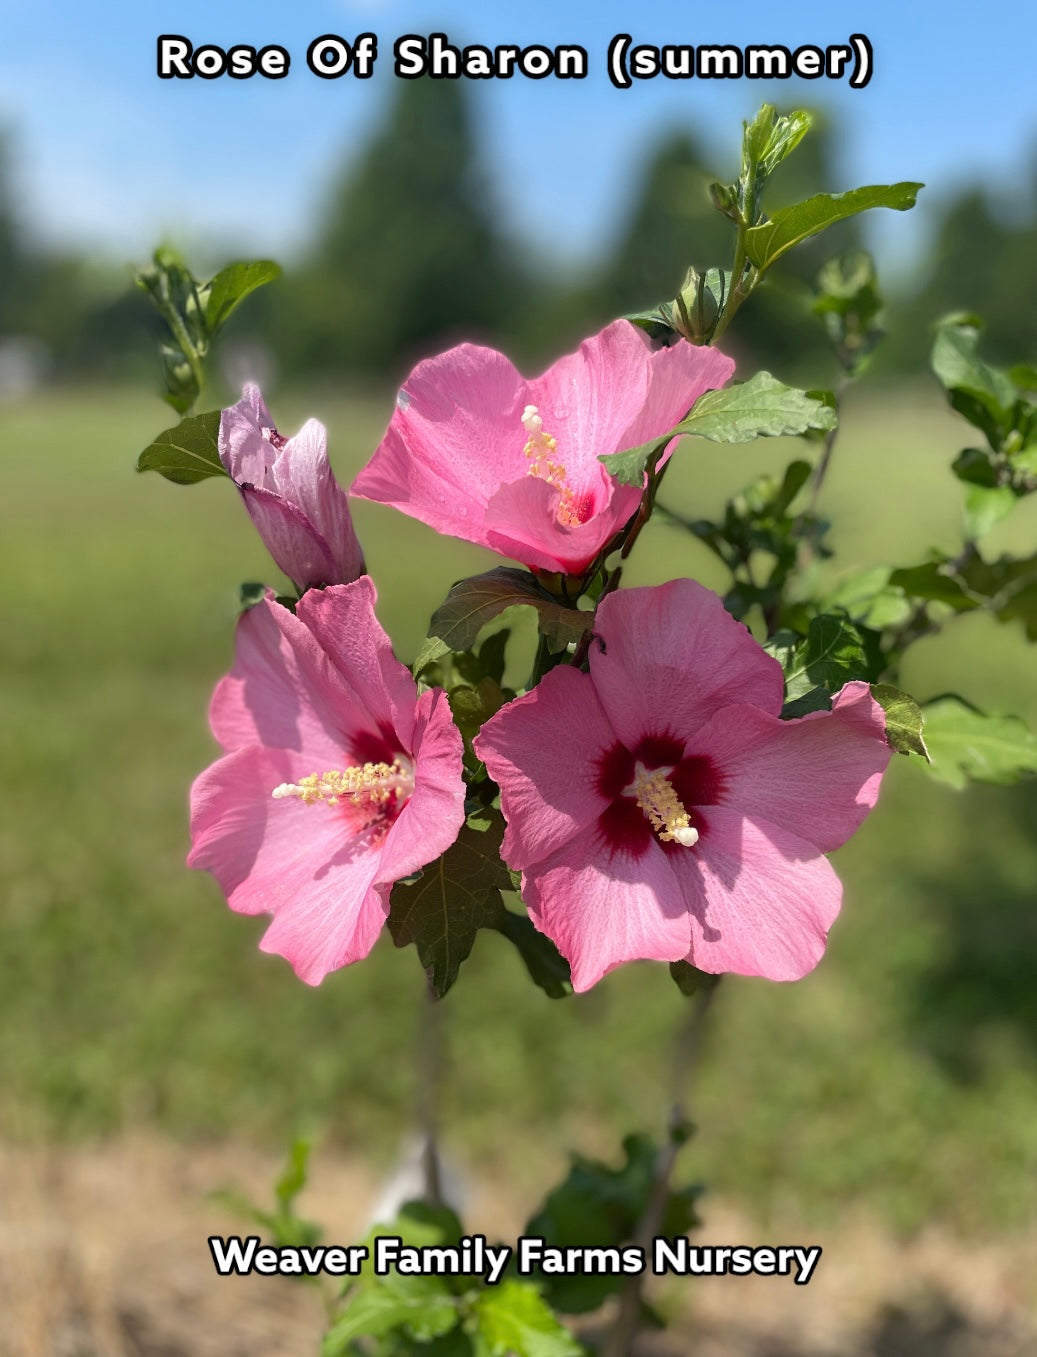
901,1074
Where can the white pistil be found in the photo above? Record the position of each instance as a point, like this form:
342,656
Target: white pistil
531,421
662,806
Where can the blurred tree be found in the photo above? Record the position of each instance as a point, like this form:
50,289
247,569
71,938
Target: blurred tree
978,261
671,225
408,257
13,260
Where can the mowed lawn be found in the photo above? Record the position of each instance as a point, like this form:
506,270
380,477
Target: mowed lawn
901,1075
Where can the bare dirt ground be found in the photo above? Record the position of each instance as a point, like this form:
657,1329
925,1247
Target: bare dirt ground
103,1254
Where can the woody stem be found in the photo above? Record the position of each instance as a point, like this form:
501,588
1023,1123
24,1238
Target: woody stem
686,1059
430,1072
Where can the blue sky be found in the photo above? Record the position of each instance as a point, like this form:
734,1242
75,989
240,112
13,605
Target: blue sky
108,155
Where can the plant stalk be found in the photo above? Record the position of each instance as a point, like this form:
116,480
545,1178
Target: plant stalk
430,1078
687,1050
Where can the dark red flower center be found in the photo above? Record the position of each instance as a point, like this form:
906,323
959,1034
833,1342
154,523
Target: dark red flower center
693,779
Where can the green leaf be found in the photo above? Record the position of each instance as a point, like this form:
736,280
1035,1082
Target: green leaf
985,507
545,964
293,1177
250,593
769,138
455,896
1011,587
766,244
965,744
1025,461
1024,376
513,1320
229,288
988,393
689,980
422,1306
849,305
816,667
188,453
869,598
904,720
415,1308
628,467
975,466
474,602
762,407
934,581
471,707
601,1205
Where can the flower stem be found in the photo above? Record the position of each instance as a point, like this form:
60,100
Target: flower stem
686,1058
841,387
430,1076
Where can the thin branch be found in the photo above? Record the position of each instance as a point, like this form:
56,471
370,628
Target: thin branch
808,546
430,1074
685,1064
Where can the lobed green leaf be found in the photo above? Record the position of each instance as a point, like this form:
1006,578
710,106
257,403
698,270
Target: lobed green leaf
966,745
546,966
815,667
599,1204
983,394
474,602
514,1320
455,896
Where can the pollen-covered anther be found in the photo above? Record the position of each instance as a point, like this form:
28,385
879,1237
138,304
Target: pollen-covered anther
662,806
372,784
540,448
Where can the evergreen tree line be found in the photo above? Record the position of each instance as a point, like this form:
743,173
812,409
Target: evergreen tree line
409,257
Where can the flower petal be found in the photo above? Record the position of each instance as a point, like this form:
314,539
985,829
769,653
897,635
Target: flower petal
304,477
455,436
522,522
291,539
589,399
817,776
680,374
283,691
432,818
344,626
246,455
761,899
671,656
542,751
303,864
602,910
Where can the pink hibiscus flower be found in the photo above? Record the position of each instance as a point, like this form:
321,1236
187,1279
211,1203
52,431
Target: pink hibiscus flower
299,509
476,451
337,778
658,807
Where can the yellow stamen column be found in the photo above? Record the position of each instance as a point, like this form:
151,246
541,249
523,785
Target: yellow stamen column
373,784
662,806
